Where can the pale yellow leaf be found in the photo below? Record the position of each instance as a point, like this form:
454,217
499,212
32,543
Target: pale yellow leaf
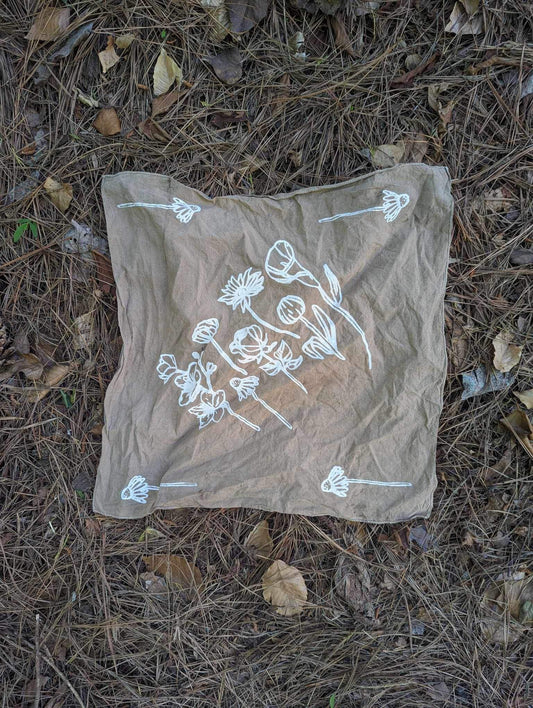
59,192
108,57
124,41
387,155
526,397
175,569
83,331
284,588
461,22
506,354
166,71
260,539
52,376
434,92
49,24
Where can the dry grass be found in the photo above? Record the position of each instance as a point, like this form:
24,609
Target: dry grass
101,640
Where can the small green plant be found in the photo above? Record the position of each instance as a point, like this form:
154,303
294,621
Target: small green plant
22,226
68,399
332,701
164,34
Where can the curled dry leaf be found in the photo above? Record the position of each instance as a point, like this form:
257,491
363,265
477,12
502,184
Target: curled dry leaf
227,65
124,41
526,397
387,155
27,364
284,588
519,425
49,24
161,104
342,39
153,584
175,569
52,376
83,332
521,256
108,57
153,130
219,15
509,598
412,61
107,122
462,21
59,192
479,382
506,354
244,14
260,539
166,71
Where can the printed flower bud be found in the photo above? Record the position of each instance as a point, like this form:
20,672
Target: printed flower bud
393,204
205,331
290,309
279,262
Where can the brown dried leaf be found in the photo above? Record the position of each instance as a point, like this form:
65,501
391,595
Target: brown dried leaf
387,155
124,41
416,148
509,597
153,130
354,585
219,15
59,192
284,588
27,364
51,377
461,22
49,24
175,569
83,332
521,256
108,57
104,272
526,397
161,104
222,119
498,200
166,71
244,14
434,92
107,122
518,424
506,354
227,65
260,539
342,39
412,61
153,584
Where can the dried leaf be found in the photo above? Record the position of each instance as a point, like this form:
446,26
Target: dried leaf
175,569
284,588
419,534
59,192
526,397
107,122
342,39
498,200
471,6
83,337
161,104
49,24
353,583
222,119
51,377
478,382
387,155
244,14
218,12
124,41
150,534
27,364
296,46
166,71
527,86
21,343
21,190
104,272
521,256
365,7
87,100
153,584
412,61
506,354
260,539
80,239
518,424
439,691
227,65
72,42
434,92
461,22
108,57
153,130
509,598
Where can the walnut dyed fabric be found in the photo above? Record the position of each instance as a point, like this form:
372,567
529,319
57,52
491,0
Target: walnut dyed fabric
285,353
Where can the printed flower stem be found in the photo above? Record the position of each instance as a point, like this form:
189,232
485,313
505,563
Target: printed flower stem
274,412
226,357
351,213
287,373
349,318
269,326
319,334
378,484
243,420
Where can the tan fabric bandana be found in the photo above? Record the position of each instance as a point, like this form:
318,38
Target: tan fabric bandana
285,353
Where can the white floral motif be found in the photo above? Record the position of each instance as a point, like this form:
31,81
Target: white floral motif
183,211
392,205
204,333
239,291
137,488
337,483
246,388
291,309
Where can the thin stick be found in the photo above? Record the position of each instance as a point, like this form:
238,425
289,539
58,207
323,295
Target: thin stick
37,698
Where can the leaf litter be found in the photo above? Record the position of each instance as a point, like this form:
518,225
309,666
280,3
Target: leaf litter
59,192
260,539
175,569
108,56
50,24
166,72
506,353
284,588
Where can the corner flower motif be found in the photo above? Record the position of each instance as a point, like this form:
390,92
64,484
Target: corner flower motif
137,488
337,483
